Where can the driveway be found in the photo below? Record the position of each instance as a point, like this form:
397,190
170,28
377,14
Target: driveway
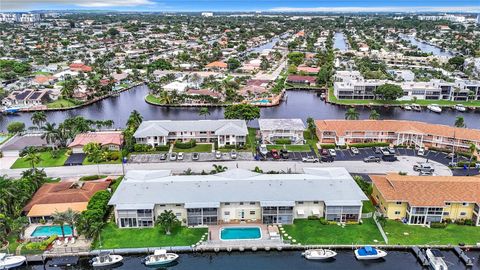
7,162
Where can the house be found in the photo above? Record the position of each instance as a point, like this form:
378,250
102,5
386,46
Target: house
17,144
52,197
204,92
162,132
237,195
308,70
177,86
298,79
274,129
112,140
76,67
27,97
426,199
216,65
396,132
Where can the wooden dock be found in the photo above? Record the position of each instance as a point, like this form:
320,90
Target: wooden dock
420,256
463,256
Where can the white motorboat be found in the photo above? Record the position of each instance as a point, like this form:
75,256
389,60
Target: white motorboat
160,257
435,257
319,254
7,261
369,253
407,107
416,107
460,108
106,259
434,108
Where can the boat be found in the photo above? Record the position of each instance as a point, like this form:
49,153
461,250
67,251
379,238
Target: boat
8,261
323,96
416,107
319,254
160,257
435,257
460,108
106,259
369,253
407,107
11,110
434,108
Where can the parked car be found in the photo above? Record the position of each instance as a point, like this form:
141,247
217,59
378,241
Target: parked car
218,154
425,173
423,167
324,152
371,159
284,154
233,154
354,150
173,156
391,150
332,152
275,154
163,156
310,159
195,156
421,152
327,158
180,156
389,158
263,149
377,150
385,151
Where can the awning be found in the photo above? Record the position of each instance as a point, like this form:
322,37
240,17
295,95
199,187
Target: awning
276,203
202,205
300,212
315,211
42,210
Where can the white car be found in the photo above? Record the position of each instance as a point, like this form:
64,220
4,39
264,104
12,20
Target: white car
173,156
311,159
354,150
385,152
332,152
180,156
218,154
421,152
263,149
233,154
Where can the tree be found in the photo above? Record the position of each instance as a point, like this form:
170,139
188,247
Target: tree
50,133
389,91
204,112
32,156
233,63
374,115
113,32
135,119
71,217
312,128
352,114
16,127
264,64
296,58
59,219
245,112
167,220
457,62
382,220
460,122
94,153
38,118
219,168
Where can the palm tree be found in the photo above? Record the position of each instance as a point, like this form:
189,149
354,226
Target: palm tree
135,119
374,115
95,230
204,111
167,220
71,217
32,156
50,133
38,118
352,114
165,98
312,128
219,168
460,122
382,220
59,219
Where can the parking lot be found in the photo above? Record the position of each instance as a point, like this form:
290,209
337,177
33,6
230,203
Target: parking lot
155,158
297,156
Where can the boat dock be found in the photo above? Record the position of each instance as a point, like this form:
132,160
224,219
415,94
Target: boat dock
63,261
420,256
463,256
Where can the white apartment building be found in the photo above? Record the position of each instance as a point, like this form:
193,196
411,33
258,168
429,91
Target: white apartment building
274,129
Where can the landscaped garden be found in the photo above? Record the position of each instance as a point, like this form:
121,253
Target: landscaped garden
290,147
197,147
47,159
62,103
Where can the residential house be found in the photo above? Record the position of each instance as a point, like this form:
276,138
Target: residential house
273,129
216,65
77,67
112,140
298,79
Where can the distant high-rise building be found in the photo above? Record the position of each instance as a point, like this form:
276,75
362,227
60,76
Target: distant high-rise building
207,14
478,19
19,17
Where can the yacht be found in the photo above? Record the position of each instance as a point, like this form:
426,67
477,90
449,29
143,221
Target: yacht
319,254
416,107
7,261
434,108
160,257
106,259
369,253
460,108
435,257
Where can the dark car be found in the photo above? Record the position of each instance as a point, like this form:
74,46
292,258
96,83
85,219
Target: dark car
389,158
377,150
324,152
163,156
284,154
371,159
275,154
327,159
195,156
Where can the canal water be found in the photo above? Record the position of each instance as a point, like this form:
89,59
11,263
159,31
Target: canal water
425,47
339,42
299,104
284,260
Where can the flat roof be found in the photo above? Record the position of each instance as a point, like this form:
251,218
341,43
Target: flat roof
281,124
237,185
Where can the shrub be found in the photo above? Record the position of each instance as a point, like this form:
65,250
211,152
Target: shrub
438,225
41,245
469,164
113,156
365,145
229,146
283,141
460,221
323,221
469,222
162,147
313,218
142,148
327,146
92,177
186,145
15,127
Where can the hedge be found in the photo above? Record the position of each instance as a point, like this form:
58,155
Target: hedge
186,145
92,177
327,146
149,148
438,225
365,145
162,147
41,245
461,164
283,141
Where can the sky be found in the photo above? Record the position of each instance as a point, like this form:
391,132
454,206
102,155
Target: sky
248,5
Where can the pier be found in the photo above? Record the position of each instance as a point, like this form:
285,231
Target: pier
463,256
420,256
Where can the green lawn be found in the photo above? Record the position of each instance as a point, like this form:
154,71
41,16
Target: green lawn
200,147
252,139
113,237
368,207
417,235
311,140
47,160
153,99
13,244
42,73
290,147
311,232
61,103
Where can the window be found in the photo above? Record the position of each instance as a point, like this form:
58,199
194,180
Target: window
446,213
241,203
463,213
465,204
227,203
226,213
252,212
252,203
397,213
398,202
162,205
300,202
315,202
178,205
447,203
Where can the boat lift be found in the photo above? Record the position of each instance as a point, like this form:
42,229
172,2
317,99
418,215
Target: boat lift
463,256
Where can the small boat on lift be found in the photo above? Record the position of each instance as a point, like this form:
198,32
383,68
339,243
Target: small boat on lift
160,257
8,262
460,108
434,108
319,254
369,253
416,107
407,107
435,257
106,259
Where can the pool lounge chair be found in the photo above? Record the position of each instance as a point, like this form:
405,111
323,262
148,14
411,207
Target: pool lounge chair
72,241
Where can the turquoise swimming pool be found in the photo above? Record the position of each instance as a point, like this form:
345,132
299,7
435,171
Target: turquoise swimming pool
3,138
240,233
51,230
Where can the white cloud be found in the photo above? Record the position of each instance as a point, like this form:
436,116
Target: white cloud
470,9
49,4
114,3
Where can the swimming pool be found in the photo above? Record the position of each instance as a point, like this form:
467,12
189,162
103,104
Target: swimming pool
3,138
240,233
51,230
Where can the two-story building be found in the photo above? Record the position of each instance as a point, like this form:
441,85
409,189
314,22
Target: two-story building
162,132
425,199
274,129
237,196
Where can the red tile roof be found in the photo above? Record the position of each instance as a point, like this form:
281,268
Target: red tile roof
298,78
103,138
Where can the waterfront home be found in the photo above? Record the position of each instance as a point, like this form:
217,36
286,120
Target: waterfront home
237,196
307,69
217,65
112,140
426,199
18,143
397,132
27,97
298,79
60,197
162,132
272,130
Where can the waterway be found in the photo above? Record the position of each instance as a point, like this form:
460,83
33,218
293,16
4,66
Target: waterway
339,42
300,104
426,47
284,260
